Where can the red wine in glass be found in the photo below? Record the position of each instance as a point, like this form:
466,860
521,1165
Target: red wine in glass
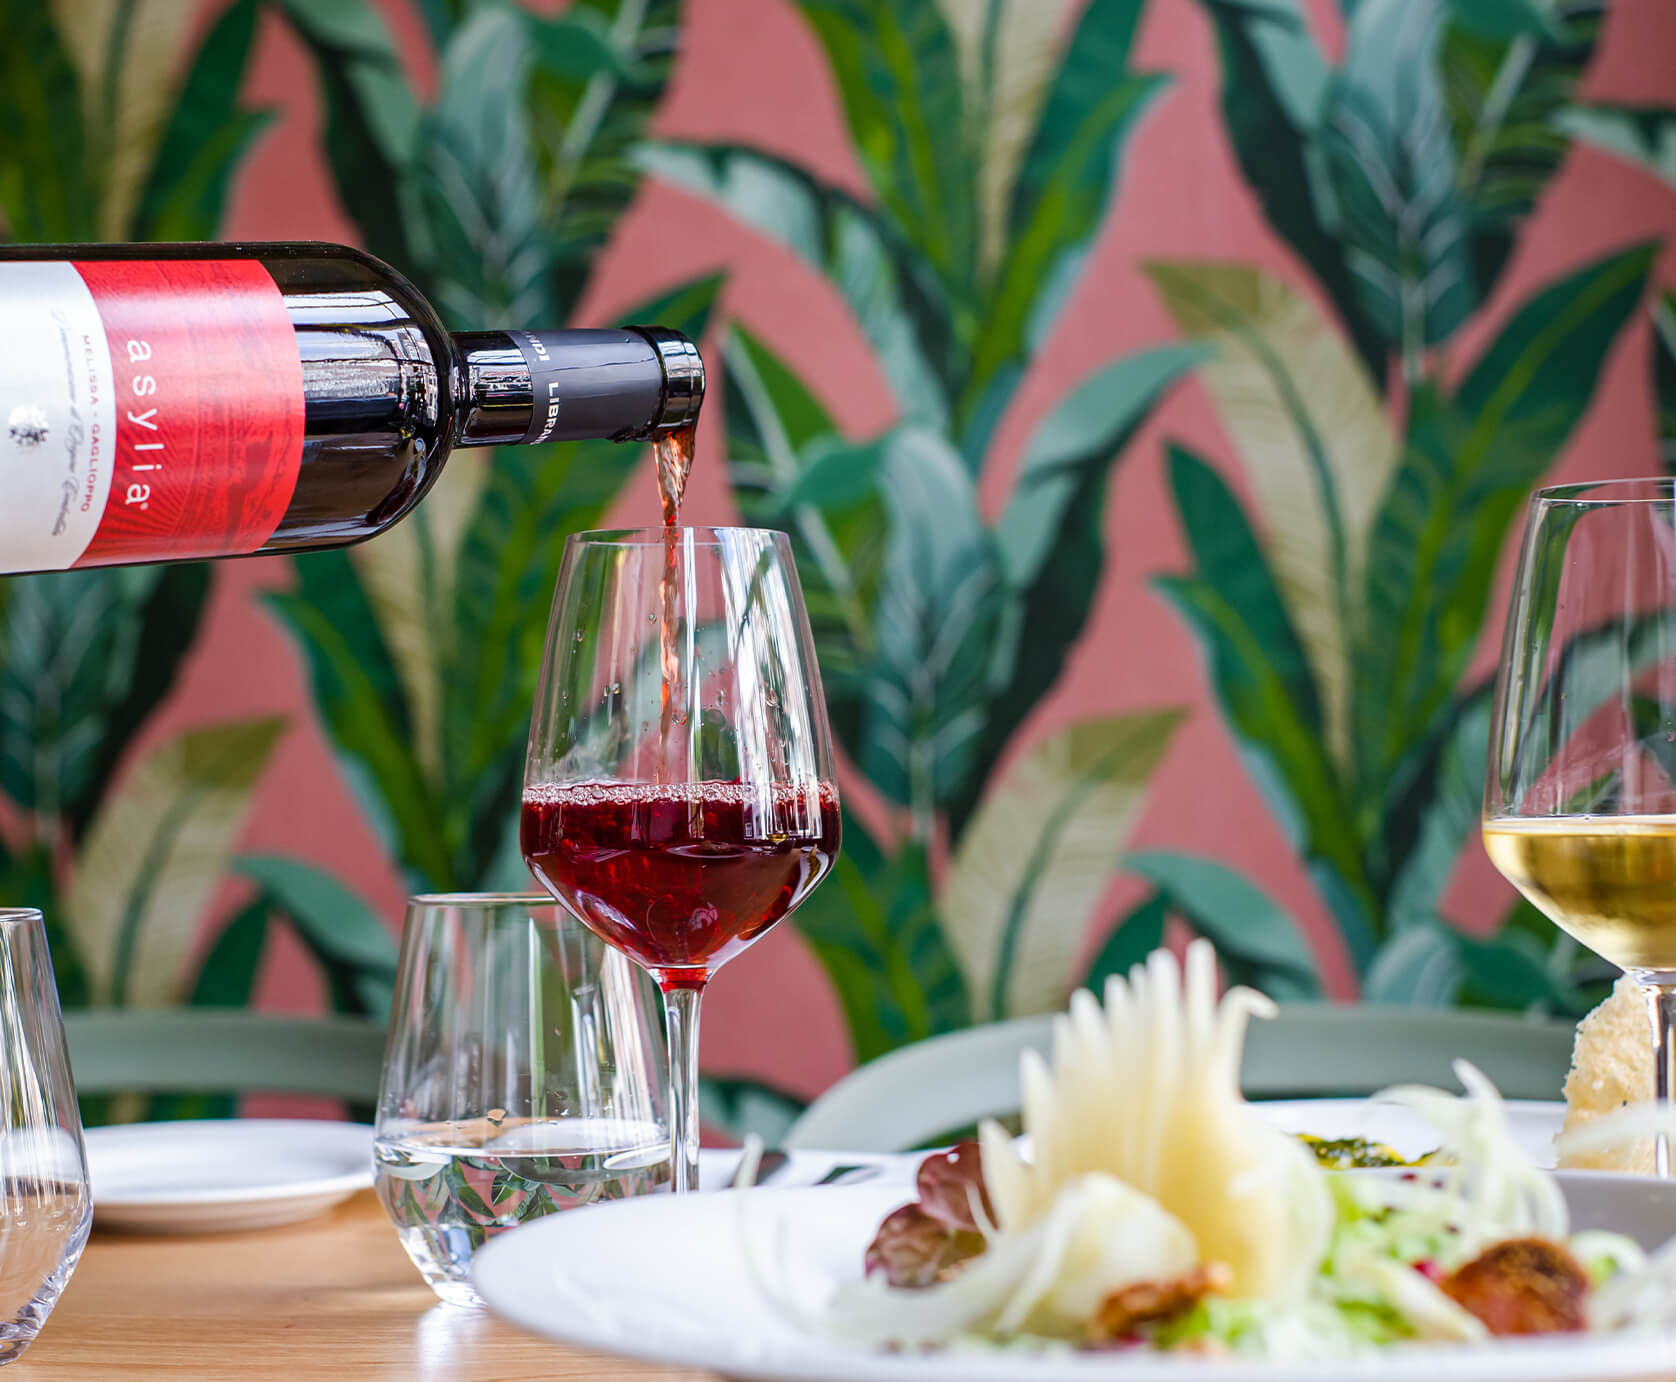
682,877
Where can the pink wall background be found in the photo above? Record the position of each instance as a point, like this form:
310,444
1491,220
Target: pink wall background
752,72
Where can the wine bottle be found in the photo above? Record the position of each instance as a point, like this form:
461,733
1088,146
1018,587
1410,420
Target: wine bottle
169,402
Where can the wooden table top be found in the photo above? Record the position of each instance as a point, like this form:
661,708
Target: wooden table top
332,1298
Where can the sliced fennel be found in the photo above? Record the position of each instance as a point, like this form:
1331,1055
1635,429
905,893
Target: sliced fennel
1046,1281
1146,1089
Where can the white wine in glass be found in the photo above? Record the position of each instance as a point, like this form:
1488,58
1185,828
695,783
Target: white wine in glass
1580,790
1608,880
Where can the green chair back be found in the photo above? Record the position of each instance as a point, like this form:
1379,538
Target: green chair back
919,1094
224,1051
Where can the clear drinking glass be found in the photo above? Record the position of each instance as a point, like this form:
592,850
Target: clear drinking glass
1580,791
679,795
45,1207
524,1075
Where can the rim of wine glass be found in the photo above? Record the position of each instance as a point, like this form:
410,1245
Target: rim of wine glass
1653,489
701,535
482,900
12,916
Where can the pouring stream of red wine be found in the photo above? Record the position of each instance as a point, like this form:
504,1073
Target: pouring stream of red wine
674,452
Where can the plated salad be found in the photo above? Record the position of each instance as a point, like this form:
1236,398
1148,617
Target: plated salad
1149,1207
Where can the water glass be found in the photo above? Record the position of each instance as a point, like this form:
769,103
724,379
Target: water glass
525,1074
45,1207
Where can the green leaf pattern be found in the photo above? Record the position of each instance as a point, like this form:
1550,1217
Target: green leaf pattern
157,847
1315,441
1387,140
1384,401
1043,846
1376,554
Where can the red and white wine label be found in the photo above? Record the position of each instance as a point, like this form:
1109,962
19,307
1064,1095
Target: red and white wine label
149,409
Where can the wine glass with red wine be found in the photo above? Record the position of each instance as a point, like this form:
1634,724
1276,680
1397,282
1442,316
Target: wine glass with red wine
679,796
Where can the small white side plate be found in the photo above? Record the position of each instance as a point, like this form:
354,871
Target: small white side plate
203,1177
1533,1123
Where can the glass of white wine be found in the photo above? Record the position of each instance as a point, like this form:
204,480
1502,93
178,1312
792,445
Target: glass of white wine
1580,791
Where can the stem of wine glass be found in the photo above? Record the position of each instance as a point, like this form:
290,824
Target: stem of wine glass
1661,1005
680,1012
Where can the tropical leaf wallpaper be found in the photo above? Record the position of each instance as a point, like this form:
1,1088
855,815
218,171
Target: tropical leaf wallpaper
1150,387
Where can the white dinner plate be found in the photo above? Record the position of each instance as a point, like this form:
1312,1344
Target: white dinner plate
1533,1123
663,1278
200,1177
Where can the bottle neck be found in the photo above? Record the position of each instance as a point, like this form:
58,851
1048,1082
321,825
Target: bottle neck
527,387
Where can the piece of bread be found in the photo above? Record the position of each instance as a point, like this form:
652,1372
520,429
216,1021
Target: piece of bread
1612,1065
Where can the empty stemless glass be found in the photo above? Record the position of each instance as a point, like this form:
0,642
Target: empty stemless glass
524,1075
679,794
45,1207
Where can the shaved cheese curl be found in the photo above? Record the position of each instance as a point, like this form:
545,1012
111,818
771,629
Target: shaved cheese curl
1145,1089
